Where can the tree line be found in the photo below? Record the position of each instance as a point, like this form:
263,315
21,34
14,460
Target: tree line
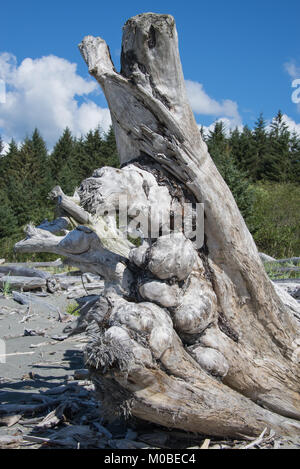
245,157
28,172
269,154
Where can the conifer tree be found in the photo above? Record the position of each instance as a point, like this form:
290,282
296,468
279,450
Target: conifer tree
278,161
61,159
260,147
7,163
41,158
235,178
109,151
8,225
93,147
244,153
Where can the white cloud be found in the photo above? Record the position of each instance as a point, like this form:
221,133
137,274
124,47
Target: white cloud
43,93
292,69
229,124
201,103
292,125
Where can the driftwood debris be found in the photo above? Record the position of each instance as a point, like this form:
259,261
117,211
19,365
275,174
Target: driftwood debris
186,336
18,270
29,264
69,416
25,278
28,298
289,260
23,283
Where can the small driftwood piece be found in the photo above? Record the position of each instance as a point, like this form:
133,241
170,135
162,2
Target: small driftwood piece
257,441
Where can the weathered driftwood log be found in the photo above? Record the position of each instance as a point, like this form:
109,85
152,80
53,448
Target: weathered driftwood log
23,283
190,337
19,270
289,260
29,264
18,276
266,258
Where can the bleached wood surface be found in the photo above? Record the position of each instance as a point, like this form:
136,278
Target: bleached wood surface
191,338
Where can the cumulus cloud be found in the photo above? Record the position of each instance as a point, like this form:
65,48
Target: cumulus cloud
292,69
229,124
202,103
44,93
291,124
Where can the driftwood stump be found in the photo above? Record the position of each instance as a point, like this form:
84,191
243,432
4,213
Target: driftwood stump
190,337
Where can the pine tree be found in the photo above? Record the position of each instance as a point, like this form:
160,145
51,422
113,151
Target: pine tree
278,161
40,155
93,147
235,178
235,144
260,146
8,225
216,141
7,163
25,173
245,151
109,150
61,156
73,171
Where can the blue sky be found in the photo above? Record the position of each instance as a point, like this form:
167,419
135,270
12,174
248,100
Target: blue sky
239,58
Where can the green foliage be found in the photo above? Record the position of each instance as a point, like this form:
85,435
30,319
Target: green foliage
260,166
278,158
275,223
72,308
62,166
28,173
8,223
221,151
275,273
262,170
6,287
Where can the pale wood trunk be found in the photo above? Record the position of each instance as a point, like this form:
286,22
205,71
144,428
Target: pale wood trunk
197,339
